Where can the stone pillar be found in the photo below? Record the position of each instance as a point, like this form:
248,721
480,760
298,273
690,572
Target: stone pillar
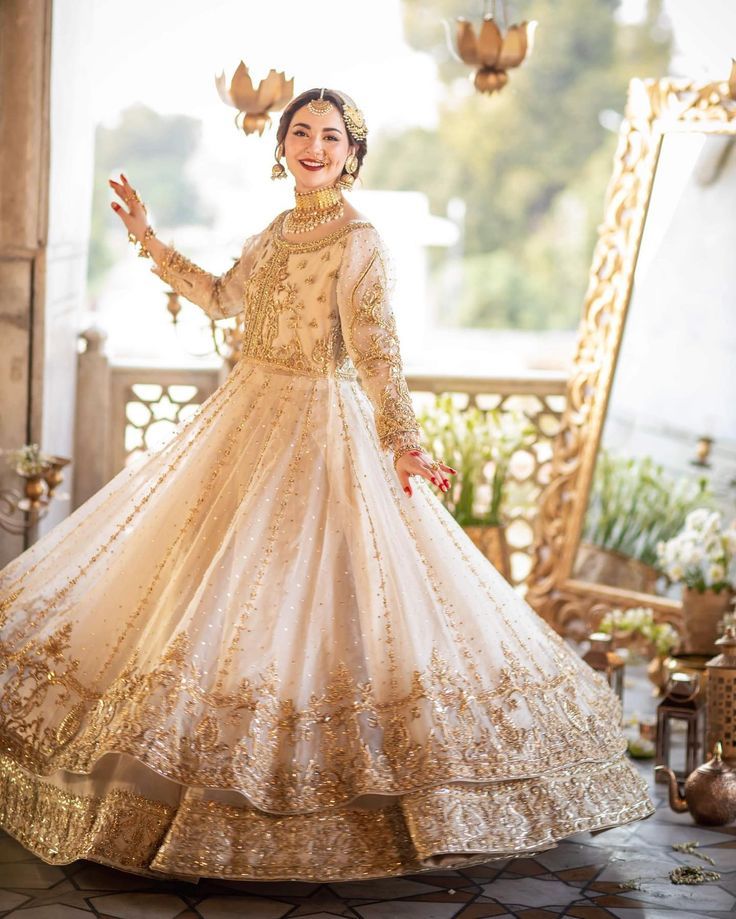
93,440
25,43
46,158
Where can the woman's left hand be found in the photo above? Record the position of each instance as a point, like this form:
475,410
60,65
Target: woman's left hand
419,462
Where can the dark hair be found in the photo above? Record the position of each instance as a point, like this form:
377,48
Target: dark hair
361,146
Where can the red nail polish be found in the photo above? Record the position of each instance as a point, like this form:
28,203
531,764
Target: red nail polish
406,489
115,206
122,176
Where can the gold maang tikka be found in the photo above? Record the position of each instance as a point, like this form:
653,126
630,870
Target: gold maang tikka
320,106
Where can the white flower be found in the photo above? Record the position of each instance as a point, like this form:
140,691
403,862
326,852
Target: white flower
716,573
696,519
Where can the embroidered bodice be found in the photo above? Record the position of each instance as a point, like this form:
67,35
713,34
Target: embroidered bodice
318,308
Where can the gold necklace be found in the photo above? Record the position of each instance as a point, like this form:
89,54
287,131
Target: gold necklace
314,208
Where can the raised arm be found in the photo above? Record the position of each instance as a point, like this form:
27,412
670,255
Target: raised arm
369,329
219,296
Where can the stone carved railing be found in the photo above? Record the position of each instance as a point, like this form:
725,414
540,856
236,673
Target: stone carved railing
122,410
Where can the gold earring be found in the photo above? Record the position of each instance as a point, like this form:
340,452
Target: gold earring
351,166
278,171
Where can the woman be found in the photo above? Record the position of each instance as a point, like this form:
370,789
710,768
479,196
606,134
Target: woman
253,655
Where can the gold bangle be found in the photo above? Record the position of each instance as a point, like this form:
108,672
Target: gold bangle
143,251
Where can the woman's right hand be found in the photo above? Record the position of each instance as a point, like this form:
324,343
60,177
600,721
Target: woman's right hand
135,218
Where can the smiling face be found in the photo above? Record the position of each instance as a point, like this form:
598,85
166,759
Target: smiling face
316,147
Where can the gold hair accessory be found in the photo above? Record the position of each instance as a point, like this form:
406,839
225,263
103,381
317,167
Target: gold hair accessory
355,121
278,171
314,208
320,106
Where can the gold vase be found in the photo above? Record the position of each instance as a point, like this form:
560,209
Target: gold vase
658,673
491,540
702,612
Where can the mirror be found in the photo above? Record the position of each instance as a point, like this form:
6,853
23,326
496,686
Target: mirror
668,443
649,427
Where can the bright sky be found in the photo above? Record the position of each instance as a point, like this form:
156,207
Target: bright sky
177,47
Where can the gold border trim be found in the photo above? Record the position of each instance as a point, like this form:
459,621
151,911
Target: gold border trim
446,826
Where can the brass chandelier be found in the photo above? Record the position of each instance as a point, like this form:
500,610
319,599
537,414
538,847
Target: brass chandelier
492,52
254,105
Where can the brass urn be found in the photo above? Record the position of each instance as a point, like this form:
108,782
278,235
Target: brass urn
710,792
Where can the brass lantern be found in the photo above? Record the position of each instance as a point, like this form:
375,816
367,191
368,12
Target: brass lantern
721,697
254,105
601,657
682,702
492,52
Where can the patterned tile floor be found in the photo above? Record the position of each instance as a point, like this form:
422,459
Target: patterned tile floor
579,878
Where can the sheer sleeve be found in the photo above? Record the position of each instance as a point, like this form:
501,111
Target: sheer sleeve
364,289
219,296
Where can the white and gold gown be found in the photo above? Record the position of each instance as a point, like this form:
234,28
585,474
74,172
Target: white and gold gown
252,655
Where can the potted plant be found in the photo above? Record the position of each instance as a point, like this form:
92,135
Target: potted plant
634,505
703,558
28,460
480,445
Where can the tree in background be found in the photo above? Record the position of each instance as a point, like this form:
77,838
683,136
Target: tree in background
153,150
531,162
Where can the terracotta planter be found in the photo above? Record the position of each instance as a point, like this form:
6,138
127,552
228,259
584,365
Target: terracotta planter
492,543
701,614
606,566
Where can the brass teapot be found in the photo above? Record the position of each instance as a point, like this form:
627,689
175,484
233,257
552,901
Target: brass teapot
710,792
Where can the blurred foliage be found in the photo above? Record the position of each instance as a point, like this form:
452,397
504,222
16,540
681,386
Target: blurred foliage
634,505
480,446
532,162
153,151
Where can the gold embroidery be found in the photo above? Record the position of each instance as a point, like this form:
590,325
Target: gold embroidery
277,319
444,728
220,297
373,345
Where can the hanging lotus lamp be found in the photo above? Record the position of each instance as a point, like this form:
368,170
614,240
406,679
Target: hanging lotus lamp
254,105
492,52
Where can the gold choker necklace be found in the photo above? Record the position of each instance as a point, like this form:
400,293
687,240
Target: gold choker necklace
314,208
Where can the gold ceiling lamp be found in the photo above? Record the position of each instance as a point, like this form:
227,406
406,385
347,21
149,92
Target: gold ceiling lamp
491,52
254,105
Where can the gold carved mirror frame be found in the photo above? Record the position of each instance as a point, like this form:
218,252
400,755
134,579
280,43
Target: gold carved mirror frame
654,108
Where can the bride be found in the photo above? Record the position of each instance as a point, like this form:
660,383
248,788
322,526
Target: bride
260,652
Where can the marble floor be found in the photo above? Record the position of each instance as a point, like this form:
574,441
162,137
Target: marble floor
582,877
